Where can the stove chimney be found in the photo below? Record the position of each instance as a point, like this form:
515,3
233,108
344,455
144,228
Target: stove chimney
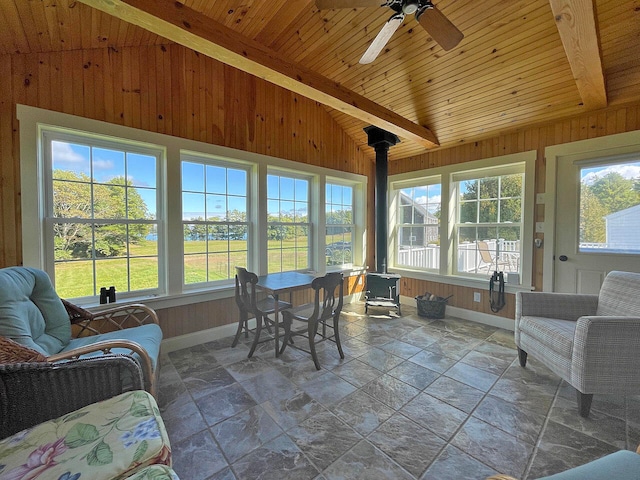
381,140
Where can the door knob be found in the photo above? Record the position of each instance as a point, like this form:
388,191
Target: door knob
563,258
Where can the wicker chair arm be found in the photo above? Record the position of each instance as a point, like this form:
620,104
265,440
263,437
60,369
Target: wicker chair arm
13,352
500,477
106,347
114,318
31,393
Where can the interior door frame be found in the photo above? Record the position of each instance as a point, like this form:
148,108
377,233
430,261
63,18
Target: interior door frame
608,146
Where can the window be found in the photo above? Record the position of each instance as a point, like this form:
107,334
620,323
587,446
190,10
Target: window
215,221
465,220
159,216
340,225
609,208
101,215
489,225
288,227
418,226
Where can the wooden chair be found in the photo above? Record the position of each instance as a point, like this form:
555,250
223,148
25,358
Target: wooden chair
324,311
248,304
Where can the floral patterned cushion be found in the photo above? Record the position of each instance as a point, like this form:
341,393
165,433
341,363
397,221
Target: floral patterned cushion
106,440
154,472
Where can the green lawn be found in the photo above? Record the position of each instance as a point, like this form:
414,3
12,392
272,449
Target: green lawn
75,278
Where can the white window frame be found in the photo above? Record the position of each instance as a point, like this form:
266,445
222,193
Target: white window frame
172,291
447,175
208,160
310,224
352,226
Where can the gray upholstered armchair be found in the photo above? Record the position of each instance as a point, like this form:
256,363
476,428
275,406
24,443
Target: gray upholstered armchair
590,341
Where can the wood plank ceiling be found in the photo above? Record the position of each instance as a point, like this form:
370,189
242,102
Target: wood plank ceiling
510,70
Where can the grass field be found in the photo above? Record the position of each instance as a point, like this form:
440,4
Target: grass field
75,278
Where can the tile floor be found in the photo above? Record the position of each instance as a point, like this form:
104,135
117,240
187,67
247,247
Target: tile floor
413,399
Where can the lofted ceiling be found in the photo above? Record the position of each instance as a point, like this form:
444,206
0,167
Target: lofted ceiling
513,67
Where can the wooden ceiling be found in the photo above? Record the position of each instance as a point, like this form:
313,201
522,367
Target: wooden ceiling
510,70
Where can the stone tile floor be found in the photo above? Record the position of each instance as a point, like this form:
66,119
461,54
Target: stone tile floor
413,399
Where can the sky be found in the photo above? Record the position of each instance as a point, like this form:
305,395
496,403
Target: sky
627,170
226,188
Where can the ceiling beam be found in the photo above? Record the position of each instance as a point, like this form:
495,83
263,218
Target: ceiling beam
173,21
577,27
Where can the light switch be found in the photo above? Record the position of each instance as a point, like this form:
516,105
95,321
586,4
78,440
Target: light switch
539,227
539,198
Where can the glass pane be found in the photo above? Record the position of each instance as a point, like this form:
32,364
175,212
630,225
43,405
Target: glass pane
193,206
218,266
511,185
143,240
236,182
141,170
609,212
510,210
469,212
236,259
287,210
216,179
302,259
144,201
195,268
74,279
488,211
302,190
71,199
406,214
489,187
273,186
237,209
71,158
273,210
274,259
466,234
300,212
469,190
137,208
72,241
218,238
110,240
238,236
143,273
287,188
216,207
108,166
112,272
195,238
109,201
192,177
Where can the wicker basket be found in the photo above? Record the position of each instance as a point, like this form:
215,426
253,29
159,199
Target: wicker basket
431,306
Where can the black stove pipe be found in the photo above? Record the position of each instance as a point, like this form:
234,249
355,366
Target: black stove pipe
381,140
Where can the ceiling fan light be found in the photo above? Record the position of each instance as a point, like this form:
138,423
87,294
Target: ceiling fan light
410,6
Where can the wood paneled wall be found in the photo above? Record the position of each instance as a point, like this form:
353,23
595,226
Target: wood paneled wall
537,137
171,90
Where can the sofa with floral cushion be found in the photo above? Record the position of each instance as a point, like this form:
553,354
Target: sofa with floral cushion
121,436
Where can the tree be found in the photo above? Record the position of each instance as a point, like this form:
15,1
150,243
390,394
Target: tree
74,196
592,223
614,192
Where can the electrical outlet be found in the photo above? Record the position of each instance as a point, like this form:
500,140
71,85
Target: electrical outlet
476,296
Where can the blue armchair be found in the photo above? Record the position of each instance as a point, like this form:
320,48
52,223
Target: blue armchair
36,325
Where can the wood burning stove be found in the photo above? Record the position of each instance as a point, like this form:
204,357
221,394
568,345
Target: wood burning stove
382,290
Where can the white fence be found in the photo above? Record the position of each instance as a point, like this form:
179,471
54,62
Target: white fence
470,258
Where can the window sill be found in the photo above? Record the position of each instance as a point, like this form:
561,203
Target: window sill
471,282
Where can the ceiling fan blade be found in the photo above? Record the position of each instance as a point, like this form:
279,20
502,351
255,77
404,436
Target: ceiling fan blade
384,35
327,4
439,27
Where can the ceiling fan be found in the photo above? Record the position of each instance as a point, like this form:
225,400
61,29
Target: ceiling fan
429,17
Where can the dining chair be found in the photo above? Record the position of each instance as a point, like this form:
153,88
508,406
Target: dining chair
248,304
323,312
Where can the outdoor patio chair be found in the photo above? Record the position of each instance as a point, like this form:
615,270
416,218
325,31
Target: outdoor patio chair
37,326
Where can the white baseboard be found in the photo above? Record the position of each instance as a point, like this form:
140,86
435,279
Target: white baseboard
480,317
216,333
202,336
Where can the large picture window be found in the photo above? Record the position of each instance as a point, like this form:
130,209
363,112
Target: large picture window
465,220
102,215
215,221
